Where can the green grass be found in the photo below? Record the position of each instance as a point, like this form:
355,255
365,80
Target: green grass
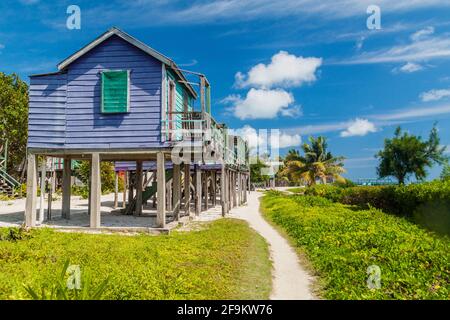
224,260
341,242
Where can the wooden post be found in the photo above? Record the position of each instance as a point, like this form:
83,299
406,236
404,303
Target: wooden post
187,189
139,184
161,187
116,189
42,197
176,191
96,192
223,197
198,190
30,204
124,196
66,188
205,189
130,189
213,188
169,195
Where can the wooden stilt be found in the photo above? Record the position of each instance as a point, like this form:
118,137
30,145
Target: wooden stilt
205,189
30,204
223,202
116,189
169,195
66,188
96,192
187,189
198,190
176,204
139,184
130,188
214,188
161,191
42,197
124,195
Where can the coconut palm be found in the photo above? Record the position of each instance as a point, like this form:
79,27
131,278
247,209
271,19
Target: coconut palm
316,164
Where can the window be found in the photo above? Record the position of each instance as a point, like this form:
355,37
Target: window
115,91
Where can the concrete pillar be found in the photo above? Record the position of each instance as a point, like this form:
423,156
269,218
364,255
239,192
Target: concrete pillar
139,184
30,204
96,192
176,191
239,188
42,197
198,190
187,189
161,190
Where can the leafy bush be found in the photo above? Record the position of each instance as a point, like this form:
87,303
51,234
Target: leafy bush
414,201
107,175
212,263
81,191
341,242
59,290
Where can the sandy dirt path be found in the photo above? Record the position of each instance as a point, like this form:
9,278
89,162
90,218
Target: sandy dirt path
290,279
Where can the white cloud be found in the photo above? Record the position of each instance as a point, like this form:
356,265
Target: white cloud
260,104
435,95
266,138
409,67
414,113
284,70
359,127
287,141
424,49
423,33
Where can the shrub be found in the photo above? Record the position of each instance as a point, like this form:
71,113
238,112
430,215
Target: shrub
341,242
414,201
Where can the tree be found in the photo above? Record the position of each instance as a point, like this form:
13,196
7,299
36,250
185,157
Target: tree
406,155
14,119
256,170
107,175
316,164
445,175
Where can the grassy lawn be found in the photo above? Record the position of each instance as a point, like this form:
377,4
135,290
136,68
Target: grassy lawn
225,260
341,242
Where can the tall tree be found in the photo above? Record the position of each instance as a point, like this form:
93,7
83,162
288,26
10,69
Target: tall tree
14,118
316,164
405,155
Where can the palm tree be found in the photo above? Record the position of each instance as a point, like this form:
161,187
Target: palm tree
316,164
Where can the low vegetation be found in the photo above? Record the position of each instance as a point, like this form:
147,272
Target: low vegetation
342,241
427,204
212,263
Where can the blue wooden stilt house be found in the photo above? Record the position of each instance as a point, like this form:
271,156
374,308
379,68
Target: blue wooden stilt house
117,99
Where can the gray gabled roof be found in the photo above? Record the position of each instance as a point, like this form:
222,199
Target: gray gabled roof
125,36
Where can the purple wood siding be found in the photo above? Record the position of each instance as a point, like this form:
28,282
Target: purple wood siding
47,119
71,104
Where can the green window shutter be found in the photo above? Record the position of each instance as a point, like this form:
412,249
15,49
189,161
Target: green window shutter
115,91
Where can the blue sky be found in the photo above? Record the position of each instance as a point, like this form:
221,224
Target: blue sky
306,67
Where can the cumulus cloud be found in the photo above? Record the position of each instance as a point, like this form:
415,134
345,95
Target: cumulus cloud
435,95
266,138
359,127
409,67
261,104
284,70
287,141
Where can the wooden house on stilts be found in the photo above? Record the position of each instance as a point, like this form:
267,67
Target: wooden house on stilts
119,100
